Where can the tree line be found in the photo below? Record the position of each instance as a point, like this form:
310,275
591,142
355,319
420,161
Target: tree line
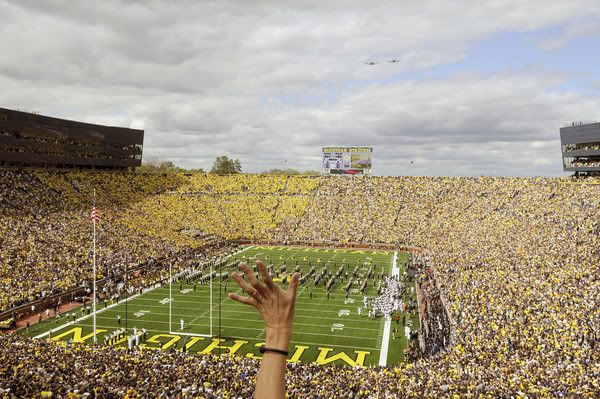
223,165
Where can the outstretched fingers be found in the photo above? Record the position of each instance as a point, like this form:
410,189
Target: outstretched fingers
243,299
253,280
265,275
244,285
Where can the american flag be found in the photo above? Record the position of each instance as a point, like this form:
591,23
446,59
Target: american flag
95,214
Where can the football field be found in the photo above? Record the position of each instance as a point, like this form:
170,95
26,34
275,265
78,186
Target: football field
328,329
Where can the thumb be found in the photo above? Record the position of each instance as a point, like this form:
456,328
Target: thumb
293,288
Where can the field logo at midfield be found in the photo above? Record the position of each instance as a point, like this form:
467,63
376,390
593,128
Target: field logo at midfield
343,312
337,326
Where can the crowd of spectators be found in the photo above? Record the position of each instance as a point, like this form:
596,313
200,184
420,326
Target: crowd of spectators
46,230
515,261
231,207
582,147
590,162
436,326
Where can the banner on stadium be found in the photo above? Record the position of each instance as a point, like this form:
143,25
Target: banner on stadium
347,160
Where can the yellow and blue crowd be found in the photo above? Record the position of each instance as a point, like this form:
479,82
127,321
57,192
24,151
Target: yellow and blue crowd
516,261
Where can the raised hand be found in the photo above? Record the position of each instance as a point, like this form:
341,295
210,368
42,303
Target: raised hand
275,306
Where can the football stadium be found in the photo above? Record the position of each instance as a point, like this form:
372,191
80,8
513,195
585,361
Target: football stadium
496,279
397,205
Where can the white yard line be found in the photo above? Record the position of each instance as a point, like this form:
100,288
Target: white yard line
200,303
385,340
324,325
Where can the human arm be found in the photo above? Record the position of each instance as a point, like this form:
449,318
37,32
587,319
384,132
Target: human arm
276,308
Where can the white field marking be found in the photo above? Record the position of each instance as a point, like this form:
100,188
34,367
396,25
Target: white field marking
204,297
354,347
385,340
333,312
320,305
135,296
323,311
351,319
140,313
187,334
250,320
314,326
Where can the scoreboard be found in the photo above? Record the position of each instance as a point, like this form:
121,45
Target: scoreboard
347,160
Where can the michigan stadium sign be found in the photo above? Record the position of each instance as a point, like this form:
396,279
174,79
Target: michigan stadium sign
347,160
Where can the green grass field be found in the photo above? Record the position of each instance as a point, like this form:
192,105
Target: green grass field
326,331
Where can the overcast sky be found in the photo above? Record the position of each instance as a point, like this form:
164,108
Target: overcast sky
482,88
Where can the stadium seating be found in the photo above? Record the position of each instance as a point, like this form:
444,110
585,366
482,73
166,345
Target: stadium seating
45,229
516,261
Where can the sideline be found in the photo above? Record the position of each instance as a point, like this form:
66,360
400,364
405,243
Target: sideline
385,340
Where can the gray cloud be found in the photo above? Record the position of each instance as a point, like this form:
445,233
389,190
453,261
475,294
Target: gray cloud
270,81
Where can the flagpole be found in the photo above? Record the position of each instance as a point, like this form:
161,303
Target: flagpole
94,304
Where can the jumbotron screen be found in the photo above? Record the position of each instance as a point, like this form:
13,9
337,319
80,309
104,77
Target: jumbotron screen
347,160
